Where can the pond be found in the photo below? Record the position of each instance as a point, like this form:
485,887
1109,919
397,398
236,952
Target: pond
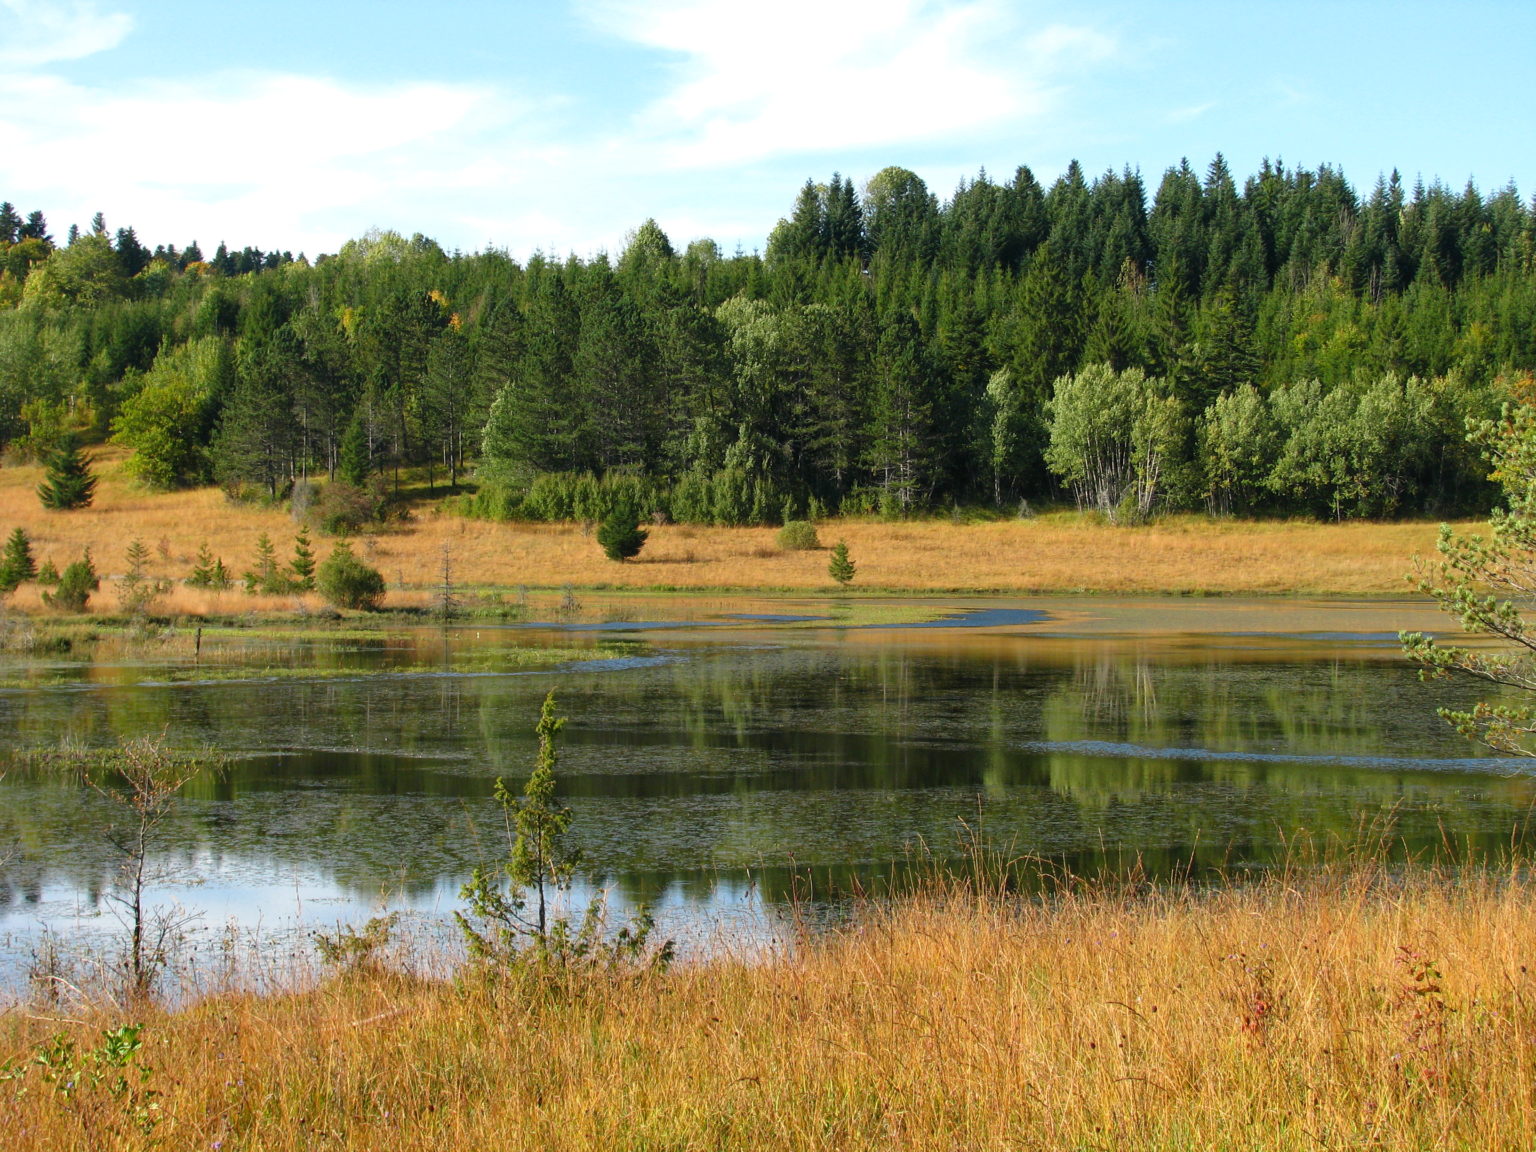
721,757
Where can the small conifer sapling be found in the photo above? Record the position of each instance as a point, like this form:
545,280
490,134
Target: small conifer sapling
621,535
840,568
17,563
76,584
303,563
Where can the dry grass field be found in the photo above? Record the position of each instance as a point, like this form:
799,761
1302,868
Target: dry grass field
1054,553
1328,1010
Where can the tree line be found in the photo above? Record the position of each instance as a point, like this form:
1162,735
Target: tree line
1283,345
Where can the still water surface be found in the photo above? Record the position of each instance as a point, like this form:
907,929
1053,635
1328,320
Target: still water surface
711,762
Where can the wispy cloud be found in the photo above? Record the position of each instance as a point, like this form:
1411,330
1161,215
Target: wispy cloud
34,33
754,81
1191,112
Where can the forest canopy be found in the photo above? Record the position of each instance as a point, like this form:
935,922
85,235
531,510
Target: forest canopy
1286,344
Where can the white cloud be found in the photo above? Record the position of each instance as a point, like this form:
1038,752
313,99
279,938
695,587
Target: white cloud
34,33
277,159
256,158
801,76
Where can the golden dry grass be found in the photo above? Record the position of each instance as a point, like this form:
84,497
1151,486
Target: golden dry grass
1053,553
1342,1011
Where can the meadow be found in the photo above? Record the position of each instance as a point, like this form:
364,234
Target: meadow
1325,1007
1054,552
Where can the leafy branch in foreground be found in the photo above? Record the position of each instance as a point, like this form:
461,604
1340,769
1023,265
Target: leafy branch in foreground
1488,585
515,918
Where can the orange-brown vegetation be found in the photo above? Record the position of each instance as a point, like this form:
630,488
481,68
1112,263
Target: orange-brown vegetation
1061,552
1340,1010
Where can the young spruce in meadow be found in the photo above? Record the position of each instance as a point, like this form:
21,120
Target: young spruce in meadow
16,563
76,584
621,536
69,482
840,568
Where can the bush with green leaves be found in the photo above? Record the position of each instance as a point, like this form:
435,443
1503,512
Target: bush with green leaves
76,584
343,508
798,536
347,582
357,952
110,1075
1484,583
621,536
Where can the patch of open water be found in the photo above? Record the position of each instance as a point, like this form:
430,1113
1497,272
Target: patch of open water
719,772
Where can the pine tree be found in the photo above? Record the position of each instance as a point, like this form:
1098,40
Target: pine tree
356,462
840,568
209,571
266,578
303,563
69,482
76,584
17,563
136,590
621,535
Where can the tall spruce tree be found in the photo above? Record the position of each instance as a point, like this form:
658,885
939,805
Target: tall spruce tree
69,482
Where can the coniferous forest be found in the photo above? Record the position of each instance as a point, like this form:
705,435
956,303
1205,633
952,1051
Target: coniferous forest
1280,344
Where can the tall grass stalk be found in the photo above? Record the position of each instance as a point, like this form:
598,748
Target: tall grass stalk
1343,1006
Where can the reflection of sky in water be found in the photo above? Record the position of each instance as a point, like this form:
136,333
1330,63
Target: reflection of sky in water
706,771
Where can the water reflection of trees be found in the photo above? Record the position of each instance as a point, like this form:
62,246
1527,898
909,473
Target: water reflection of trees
726,761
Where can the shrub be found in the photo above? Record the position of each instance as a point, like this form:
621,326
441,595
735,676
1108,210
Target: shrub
798,536
344,508
136,591
76,584
347,582
621,536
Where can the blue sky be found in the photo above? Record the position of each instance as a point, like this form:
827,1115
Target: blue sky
560,126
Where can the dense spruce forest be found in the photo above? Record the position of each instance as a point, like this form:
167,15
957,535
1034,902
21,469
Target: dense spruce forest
1287,345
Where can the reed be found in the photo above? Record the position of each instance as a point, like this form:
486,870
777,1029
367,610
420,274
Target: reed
1336,1008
